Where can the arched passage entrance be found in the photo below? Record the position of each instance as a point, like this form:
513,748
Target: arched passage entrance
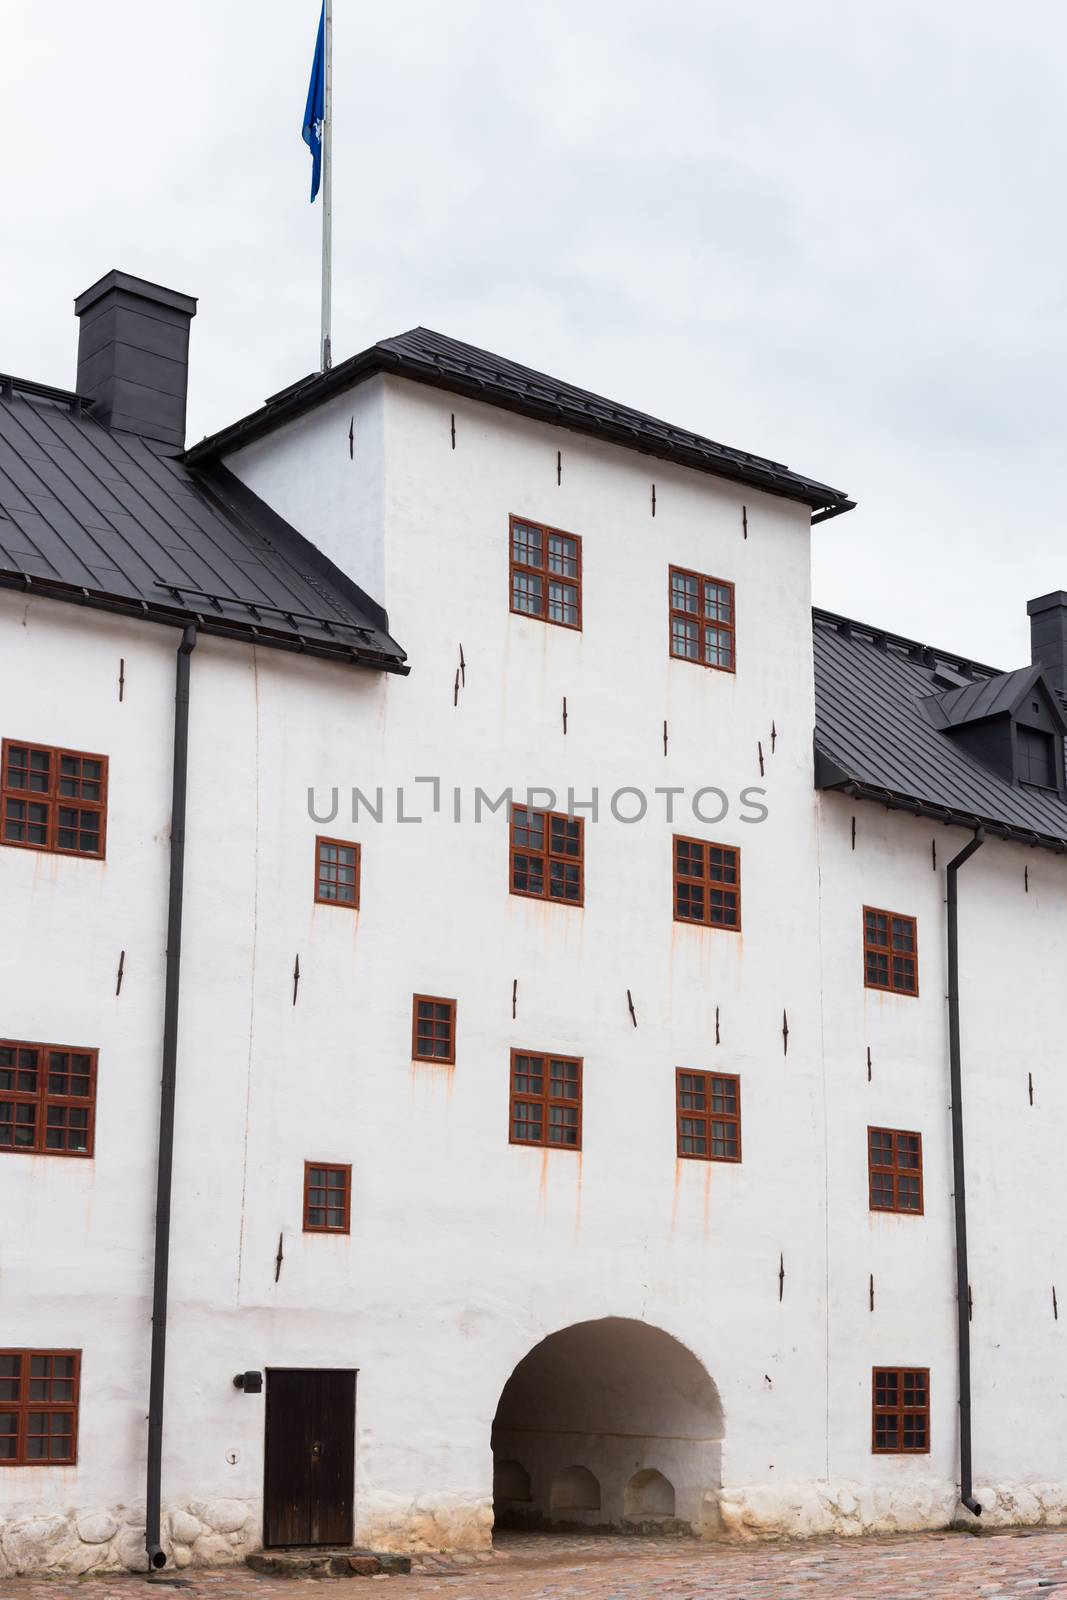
610,1423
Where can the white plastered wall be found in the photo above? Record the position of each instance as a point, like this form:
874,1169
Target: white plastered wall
465,1251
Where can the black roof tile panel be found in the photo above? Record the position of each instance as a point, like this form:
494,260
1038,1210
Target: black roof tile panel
874,732
110,519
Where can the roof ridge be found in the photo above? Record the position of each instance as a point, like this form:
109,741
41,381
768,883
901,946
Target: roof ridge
577,388
914,647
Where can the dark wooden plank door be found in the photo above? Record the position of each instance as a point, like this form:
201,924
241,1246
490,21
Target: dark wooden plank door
310,1457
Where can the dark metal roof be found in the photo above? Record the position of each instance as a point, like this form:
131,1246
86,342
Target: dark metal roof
875,737
428,357
114,521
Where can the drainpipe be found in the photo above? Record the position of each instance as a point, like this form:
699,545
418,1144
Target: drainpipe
157,1556
959,1186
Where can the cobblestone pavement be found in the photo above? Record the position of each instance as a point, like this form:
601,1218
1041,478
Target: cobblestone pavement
935,1566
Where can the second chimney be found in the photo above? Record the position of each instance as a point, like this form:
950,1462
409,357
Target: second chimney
133,356
1048,636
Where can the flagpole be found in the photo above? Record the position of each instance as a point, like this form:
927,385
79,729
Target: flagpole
327,184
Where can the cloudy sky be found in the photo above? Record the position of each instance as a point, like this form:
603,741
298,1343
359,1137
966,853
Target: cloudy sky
829,233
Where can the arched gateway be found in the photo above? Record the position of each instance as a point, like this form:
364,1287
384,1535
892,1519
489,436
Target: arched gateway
616,1404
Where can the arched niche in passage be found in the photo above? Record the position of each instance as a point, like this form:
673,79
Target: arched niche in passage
575,1489
511,1482
649,1494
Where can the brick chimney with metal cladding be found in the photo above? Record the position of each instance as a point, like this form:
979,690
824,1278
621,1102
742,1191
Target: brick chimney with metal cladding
1048,636
133,356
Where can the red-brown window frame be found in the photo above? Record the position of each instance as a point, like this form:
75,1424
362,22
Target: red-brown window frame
892,917
42,1099
546,1100
543,572
52,799
546,855
900,1411
448,1060
328,1166
708,1115
343,844
708,883
701,619
894,1170
22,1407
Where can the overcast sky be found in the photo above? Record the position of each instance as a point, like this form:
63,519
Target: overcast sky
833,234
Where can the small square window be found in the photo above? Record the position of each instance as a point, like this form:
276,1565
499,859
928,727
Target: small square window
337,873
52,799
39,1407
900,1405
702,620
890,952
47,1099
327,1197
433,1029
707,883
708,1111
547,855
546,1100
545,573
895,1170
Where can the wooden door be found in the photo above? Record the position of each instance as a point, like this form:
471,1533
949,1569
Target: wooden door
310,1457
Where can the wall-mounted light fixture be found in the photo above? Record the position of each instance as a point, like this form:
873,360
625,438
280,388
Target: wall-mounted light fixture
250,1382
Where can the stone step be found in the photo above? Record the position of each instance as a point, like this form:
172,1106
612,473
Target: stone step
317,1562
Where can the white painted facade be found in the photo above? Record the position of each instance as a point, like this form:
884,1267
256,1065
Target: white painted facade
465,1251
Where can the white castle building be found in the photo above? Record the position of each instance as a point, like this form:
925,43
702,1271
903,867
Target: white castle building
381,1158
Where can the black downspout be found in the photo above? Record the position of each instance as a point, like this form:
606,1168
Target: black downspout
959,1186
157,1556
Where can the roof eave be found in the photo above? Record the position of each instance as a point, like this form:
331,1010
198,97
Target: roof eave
950,816
178,616
824,501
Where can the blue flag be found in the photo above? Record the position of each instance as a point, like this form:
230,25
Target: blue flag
315,110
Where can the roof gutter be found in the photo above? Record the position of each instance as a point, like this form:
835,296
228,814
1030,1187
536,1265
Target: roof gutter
157,1556
180,616
959,1185
834,509
948,815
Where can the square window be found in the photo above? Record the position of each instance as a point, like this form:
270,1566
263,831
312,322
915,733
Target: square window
547,852
894,1166
545,574
707,883
52,799
890,952
900,1406
702,620
327,1197
708,1113
47,1099
337,873
39,1407
546,1100
433,1029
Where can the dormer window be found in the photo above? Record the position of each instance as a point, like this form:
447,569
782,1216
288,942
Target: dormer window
1013,723
1035,753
